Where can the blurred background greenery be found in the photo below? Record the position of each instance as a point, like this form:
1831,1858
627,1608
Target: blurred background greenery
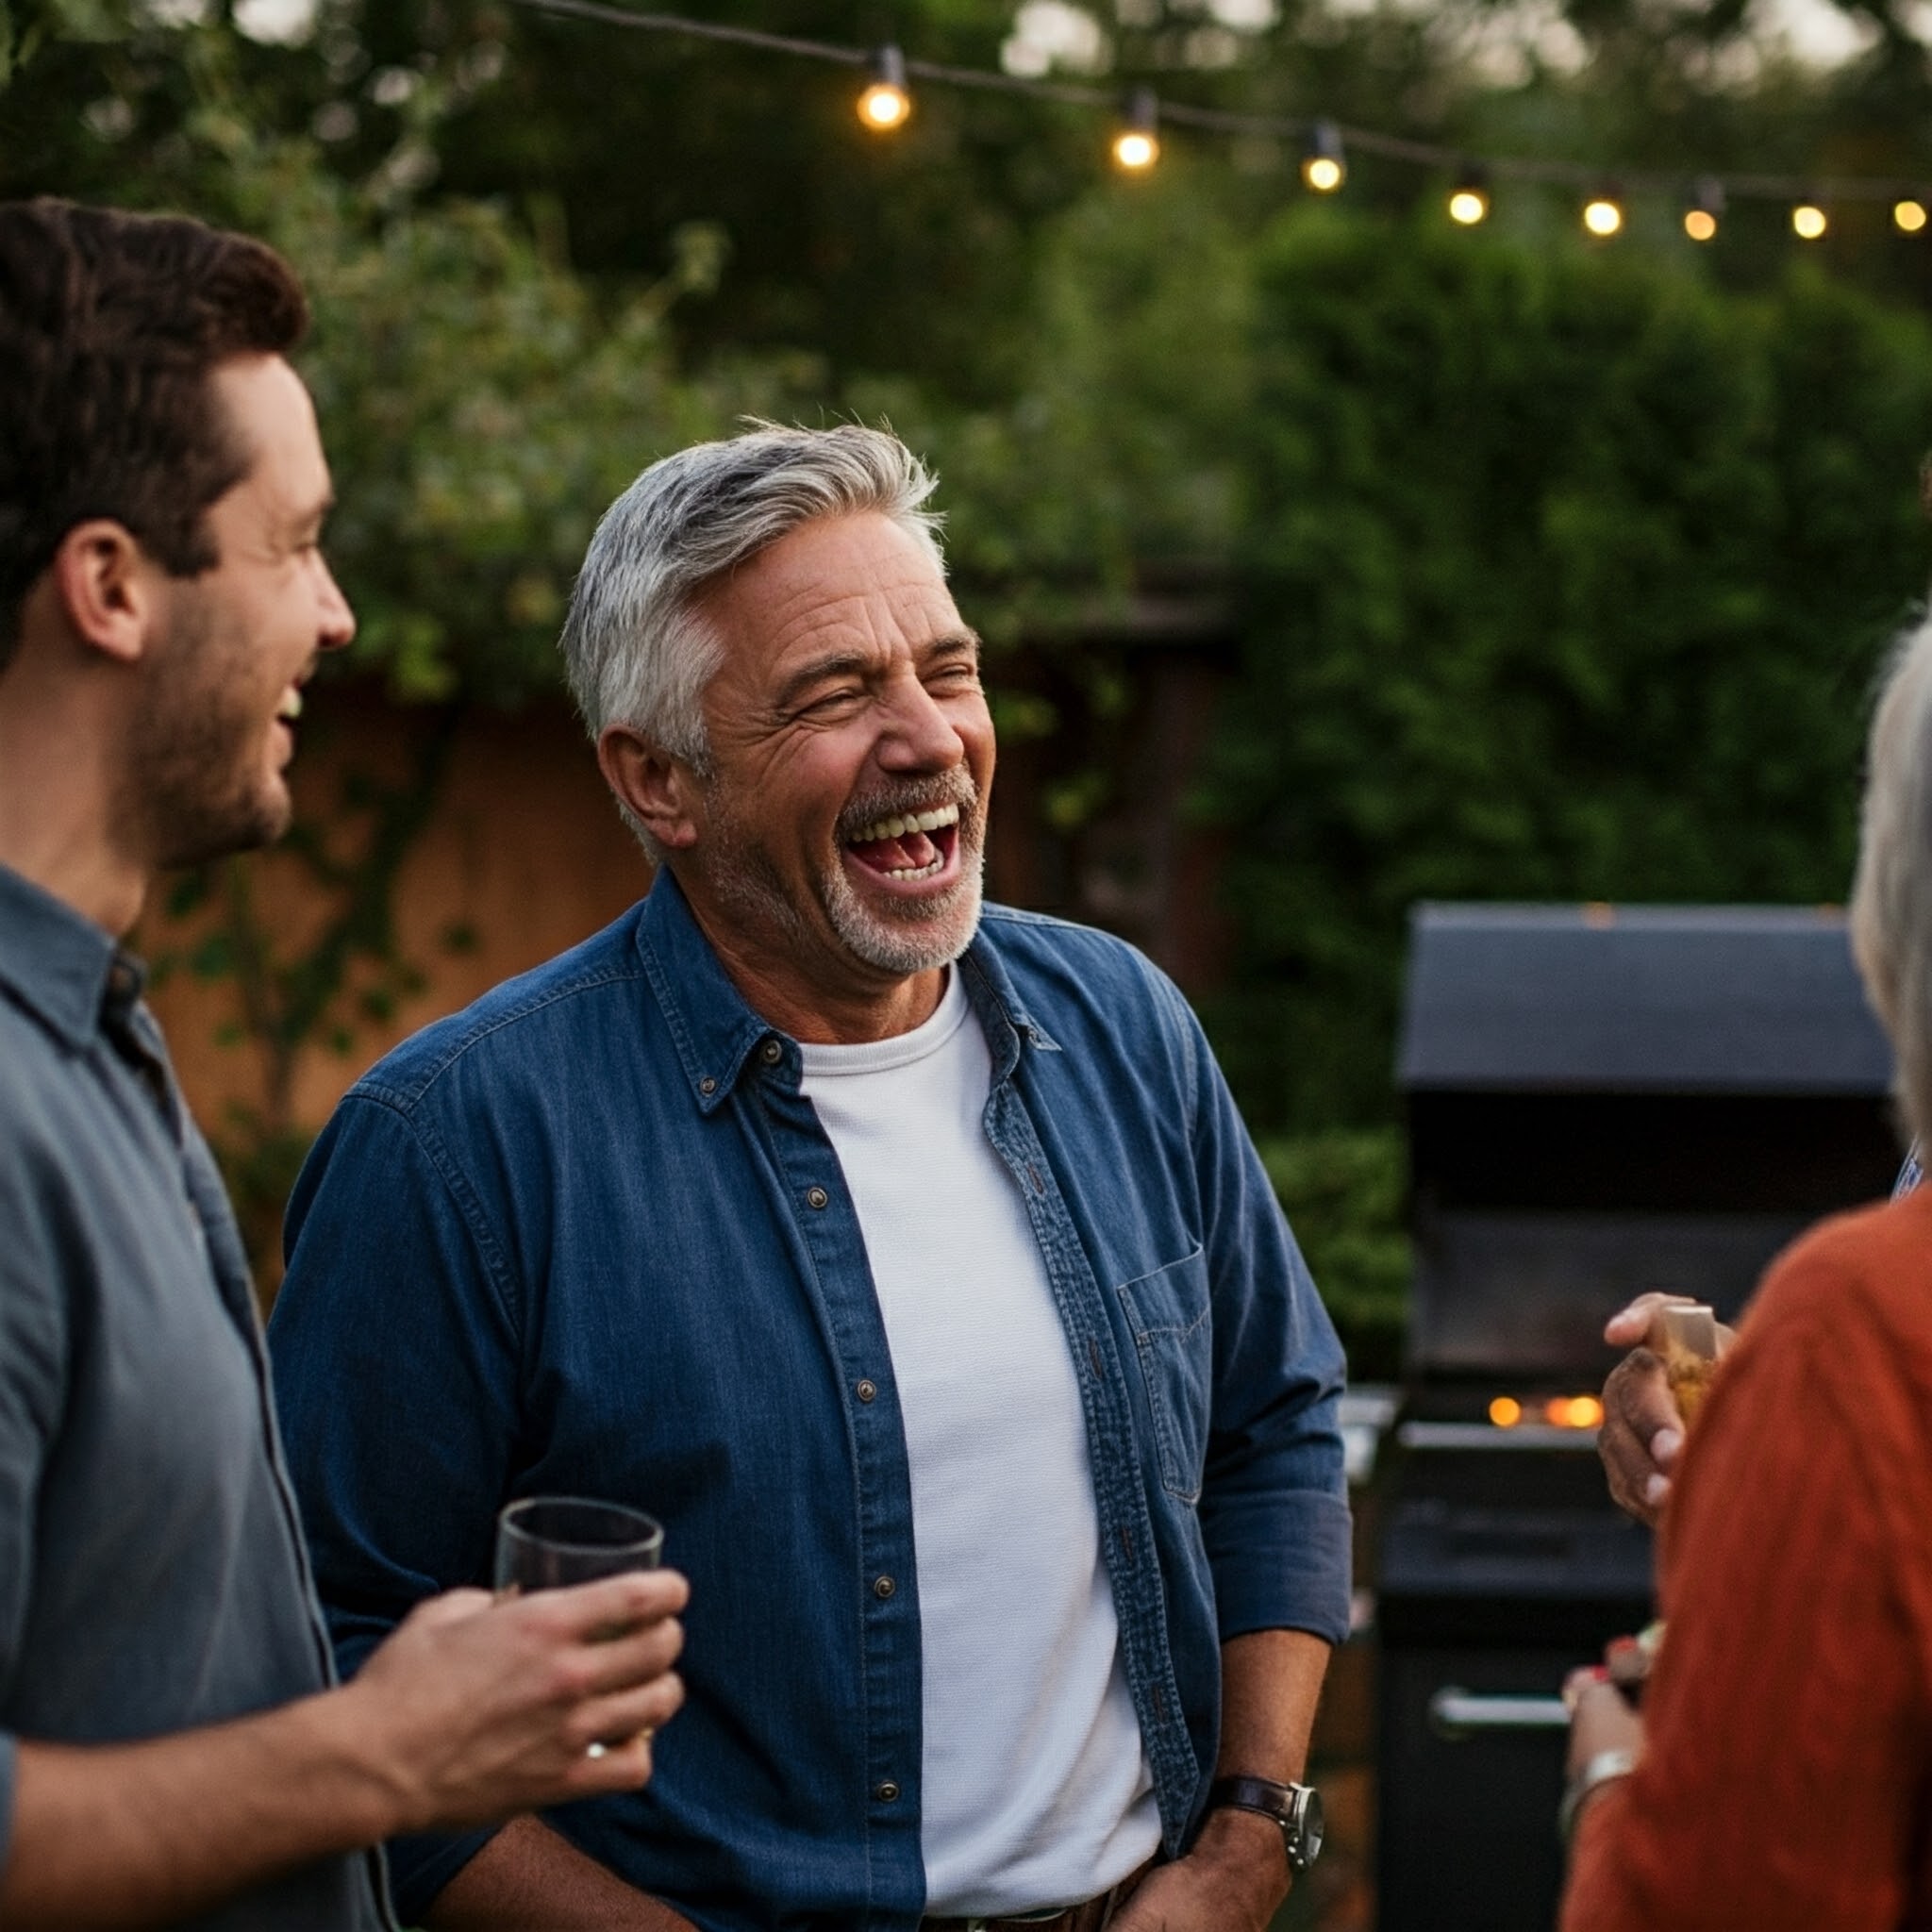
1551,569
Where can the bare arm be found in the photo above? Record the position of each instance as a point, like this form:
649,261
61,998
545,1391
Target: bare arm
472,1711
527,1875
1237,1874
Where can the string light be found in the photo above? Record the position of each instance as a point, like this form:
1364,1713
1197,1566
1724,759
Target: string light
1324,167
886,103
1136,147
1469,202
1706,208
1602,213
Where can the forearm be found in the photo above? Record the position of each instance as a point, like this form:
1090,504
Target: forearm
527,1875
132,1835
1271,1682
1235,1874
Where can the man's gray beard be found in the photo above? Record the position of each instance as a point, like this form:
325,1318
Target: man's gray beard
938,933
931,935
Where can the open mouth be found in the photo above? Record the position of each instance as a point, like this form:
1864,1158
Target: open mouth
909,847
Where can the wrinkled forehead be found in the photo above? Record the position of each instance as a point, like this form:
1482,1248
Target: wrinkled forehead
859,584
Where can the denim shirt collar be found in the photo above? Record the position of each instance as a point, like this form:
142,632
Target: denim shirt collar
60,965
716,1032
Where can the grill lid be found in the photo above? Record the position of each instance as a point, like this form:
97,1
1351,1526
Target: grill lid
1602,1100
1689,999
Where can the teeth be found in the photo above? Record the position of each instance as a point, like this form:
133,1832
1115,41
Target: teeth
291,706
915,871
898,827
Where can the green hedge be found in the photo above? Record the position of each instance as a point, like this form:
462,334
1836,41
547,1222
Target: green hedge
1567,575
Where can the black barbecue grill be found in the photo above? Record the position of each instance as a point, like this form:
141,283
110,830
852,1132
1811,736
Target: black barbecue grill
1600,1100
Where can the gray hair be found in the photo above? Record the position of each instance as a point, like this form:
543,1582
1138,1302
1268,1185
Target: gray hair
1891,897
636,647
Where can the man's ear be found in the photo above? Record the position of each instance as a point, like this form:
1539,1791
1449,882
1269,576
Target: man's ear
662,792
106,588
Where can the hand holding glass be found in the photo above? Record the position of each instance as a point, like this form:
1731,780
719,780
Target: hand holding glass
550,1542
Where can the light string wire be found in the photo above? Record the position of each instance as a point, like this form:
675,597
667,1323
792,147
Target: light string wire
1581,175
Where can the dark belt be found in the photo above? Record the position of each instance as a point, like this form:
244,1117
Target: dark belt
1088,1917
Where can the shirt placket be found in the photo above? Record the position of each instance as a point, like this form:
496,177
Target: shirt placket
820,1208
1126,1528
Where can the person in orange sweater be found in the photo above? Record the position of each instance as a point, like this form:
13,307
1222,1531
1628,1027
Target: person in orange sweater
1781,1773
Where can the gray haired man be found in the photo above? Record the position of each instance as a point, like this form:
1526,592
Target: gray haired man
905,1254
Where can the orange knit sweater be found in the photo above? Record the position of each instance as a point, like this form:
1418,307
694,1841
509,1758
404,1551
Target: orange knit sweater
1786,1782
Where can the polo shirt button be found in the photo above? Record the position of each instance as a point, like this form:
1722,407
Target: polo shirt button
816,1197
887,1793
884,1588
771,1052
866,1390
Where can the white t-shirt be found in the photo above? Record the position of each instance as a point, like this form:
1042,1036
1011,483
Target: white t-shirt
1037,1790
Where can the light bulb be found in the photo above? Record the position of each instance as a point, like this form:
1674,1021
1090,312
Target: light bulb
1602,217
1807,221
1910,215
1706,206
1136,147
1324,168
885,104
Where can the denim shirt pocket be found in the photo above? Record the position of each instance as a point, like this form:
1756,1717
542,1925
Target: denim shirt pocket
1167,1314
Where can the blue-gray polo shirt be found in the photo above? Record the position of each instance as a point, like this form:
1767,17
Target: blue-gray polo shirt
152,1574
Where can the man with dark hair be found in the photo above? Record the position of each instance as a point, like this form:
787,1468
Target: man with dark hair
172,1749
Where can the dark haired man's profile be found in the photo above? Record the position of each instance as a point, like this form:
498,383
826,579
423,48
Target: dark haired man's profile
173,1748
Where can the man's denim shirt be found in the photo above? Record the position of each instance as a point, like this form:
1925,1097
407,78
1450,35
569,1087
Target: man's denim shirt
587,1237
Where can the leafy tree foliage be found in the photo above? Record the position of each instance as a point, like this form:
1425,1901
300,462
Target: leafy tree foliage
1567,577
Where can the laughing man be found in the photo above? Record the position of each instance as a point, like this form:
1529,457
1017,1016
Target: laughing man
906,1256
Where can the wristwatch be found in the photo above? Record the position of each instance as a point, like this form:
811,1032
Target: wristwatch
1297,1808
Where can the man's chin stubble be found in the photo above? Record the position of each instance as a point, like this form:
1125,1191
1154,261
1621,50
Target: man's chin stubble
931,934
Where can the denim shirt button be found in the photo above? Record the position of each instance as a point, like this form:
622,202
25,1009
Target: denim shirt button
708,1085
866,1390
816,1197
771,1052
887,1793
884,1588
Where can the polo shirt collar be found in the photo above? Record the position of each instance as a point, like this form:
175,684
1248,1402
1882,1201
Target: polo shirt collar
717,1033
60,965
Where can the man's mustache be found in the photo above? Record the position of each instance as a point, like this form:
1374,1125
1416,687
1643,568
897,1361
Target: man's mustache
902,800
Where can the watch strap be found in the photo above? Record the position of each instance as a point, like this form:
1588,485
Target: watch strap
1286,1805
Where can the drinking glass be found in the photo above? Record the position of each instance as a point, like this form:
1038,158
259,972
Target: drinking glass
549,1542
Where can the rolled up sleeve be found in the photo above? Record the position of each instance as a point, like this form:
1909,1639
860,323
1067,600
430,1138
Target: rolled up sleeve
1274,1509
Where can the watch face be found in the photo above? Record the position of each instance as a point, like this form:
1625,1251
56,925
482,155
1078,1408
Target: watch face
1310,1833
